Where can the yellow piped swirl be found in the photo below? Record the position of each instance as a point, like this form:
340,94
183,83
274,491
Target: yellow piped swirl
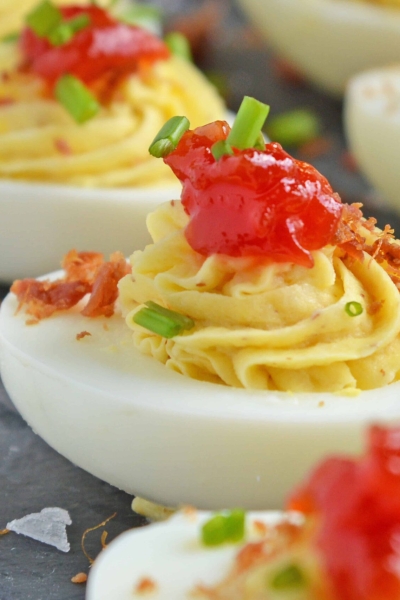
39,140
264,325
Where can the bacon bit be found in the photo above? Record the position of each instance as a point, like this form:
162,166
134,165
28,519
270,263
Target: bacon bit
349,162
260,527
321,403
62,146
31,322
172,203
82,265
7,101
43,298
249,555
102,524
146,586
82,334
105,287
79,578
189,512
375,307
85,272
316,147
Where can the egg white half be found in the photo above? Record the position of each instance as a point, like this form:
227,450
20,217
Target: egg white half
150,431
328,40
170,554
372,122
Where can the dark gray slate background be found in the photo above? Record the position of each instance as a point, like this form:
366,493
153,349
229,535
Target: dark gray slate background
32,475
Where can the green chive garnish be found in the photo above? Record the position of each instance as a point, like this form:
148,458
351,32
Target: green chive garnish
178,44
221,148
353,309
162,321
11,37
294,128
222,529
248,123
76,98
289,577
44,18
169,136
65,31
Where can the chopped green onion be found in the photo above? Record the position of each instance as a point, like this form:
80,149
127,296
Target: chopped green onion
178,44
44,18
291,576
221,148
169,136
185,322
260,142
11,37
353,309
162,321
248,123
66,30
221,529
76,98
294,128
235,525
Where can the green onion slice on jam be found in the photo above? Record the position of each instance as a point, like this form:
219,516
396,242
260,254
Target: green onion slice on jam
178,44
166,323
169,136
221,148
353,309
289,577
76,98
246,129
44,18
66,30
224,528
248,123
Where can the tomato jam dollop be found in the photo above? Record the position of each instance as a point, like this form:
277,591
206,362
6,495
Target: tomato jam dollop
357,505
105,46
254,202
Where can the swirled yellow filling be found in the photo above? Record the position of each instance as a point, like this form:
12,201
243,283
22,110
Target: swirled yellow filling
265,325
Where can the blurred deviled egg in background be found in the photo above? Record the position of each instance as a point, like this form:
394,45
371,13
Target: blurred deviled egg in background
83,93
372,123
328,41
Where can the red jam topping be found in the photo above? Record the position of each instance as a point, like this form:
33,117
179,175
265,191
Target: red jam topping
358,508
103,47
255,202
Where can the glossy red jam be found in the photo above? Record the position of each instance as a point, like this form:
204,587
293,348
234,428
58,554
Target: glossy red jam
104,46
358,508
254,202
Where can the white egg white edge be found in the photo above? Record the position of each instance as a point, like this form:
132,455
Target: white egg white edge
143,428
328,40
171,555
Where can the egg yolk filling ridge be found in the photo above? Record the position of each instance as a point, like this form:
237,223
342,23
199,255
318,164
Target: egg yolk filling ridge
288,288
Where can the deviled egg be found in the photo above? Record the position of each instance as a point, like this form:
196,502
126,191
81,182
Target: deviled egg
82,94
329,41
256,334
372,123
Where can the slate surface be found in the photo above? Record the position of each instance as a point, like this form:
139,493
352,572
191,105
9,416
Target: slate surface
32,475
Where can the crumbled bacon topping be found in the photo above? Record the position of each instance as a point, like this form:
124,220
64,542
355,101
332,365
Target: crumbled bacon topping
146,586
351,238
85,273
